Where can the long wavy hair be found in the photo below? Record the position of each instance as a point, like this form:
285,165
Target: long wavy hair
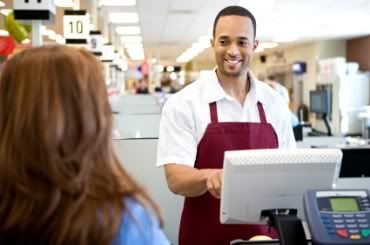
60,181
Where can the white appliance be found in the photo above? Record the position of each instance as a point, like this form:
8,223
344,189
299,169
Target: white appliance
350,96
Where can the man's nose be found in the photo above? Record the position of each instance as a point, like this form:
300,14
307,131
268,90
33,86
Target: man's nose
233,50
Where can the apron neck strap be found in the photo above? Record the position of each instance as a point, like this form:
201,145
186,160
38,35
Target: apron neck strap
214,117
213,110
261,111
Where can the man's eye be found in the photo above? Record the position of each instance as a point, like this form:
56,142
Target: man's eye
243,43
223,42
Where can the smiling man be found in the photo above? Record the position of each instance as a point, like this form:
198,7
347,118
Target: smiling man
228,109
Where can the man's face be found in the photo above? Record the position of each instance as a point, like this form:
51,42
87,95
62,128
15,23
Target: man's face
233,45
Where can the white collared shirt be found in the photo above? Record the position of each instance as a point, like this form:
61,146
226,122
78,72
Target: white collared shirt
186,115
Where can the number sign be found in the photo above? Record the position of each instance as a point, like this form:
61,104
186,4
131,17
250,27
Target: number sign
96,42
76,25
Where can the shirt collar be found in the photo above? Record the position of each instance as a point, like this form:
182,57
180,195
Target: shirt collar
214,92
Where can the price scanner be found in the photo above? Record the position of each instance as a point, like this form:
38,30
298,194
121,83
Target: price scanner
338,217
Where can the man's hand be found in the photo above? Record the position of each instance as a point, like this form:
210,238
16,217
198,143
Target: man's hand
214,183
191,182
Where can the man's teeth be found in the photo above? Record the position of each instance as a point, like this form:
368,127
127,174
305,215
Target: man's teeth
232,61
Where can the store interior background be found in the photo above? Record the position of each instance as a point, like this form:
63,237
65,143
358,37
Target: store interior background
175,34
306,45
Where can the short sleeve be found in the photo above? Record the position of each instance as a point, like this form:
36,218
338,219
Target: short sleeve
140,227
177,135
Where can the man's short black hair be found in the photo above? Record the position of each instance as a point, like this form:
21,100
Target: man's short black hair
238,11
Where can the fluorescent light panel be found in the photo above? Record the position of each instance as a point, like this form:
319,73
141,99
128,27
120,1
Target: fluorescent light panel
118,18
117,3
64,3
285,38
128,30
133,45
131,39
267,45
135,52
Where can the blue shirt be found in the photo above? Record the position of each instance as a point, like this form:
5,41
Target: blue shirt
139,228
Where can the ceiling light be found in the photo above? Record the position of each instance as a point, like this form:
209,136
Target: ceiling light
170,68
285,38
198,46
48,32
267,45
64,3
133,45
128,30
123,18
131,39
137,57
4,33
182,60
117,3
5,11
135,52
173,75
160,68
259,49
26,41
2,4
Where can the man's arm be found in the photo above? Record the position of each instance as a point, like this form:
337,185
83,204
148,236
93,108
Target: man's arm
191,182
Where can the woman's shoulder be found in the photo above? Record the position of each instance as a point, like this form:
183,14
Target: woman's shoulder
139,225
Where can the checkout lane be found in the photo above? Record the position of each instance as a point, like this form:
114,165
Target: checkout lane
130,150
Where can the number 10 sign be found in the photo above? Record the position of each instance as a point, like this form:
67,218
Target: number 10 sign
76,25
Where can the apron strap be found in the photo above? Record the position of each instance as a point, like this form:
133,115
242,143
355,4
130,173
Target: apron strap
261,111
213,110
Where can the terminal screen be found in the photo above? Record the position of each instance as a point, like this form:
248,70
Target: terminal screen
344,204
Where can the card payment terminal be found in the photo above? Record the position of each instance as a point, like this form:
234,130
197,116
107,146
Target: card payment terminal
338,217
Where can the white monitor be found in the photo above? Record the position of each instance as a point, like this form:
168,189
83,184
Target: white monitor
256,180
355,168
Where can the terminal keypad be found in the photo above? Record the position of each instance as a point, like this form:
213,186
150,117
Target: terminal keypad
353,226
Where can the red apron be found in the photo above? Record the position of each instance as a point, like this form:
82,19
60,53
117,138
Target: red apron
200,220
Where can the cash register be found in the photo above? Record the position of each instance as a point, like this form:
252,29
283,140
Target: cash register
270,186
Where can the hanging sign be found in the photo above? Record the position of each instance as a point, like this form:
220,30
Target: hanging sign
108,53
76,26
34,10
96,43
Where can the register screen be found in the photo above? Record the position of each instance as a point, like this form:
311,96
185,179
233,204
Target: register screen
344,204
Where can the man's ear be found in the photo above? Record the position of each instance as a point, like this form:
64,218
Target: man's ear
212,42
255,44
